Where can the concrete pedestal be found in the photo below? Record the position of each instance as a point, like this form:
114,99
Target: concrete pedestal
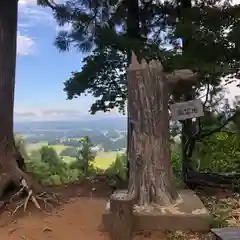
187,214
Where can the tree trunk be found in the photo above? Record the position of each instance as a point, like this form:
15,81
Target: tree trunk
133,32
122,217
189,128
150,158
9,155
187,125
8,36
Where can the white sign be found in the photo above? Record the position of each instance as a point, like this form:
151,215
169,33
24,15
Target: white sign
186,110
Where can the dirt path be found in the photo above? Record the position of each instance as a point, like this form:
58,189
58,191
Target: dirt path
81,219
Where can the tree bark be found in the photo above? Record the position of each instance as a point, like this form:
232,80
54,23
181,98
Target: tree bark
8,36
9,155
133,32
187,147
122,216
150,158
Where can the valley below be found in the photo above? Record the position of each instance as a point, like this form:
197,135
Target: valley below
108,138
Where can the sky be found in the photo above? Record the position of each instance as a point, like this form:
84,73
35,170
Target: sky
41,70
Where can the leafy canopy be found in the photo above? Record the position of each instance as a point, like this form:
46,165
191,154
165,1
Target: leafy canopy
105,30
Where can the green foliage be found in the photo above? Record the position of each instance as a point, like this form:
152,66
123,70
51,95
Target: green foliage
175,161
69,151
50,157
118,167
85,156
100,78
219,152
48,168
106,28
176,167
19,141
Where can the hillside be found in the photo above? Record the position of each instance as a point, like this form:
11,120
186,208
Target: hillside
107,135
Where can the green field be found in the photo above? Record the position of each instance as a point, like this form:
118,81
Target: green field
36,146
103,159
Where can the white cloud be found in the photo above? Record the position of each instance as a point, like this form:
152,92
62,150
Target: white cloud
25,45
22,113
25,2
47,114
32,15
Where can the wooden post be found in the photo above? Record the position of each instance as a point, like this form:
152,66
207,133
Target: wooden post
121,205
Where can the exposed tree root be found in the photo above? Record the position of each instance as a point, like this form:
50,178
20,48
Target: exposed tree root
14,178
28,191
44,198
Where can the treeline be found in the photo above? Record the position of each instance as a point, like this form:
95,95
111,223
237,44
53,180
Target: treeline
46,166
103,141
218,153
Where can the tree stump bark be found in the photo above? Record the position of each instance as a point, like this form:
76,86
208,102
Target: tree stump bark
121,205
149,147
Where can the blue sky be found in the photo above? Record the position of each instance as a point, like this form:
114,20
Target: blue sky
42,69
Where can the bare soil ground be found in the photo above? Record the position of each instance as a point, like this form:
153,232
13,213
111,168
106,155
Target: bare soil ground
77,217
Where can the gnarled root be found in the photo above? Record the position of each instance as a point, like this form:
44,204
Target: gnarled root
44,198
11,174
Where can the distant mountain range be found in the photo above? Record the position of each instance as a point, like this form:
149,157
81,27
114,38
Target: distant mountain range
92,123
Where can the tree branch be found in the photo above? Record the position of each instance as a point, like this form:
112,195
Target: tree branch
218,129
48,3
207,95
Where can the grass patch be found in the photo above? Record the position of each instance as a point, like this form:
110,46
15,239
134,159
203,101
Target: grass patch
68,159
77,139
103,160
58,148
35,146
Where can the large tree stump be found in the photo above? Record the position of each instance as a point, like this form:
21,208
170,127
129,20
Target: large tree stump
121,206
149,148
149,155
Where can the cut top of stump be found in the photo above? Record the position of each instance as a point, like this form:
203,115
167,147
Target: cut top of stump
182,76
136,65
122,196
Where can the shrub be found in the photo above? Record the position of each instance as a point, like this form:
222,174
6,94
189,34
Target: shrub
219,152
118,167
70,151
50,169
85,156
